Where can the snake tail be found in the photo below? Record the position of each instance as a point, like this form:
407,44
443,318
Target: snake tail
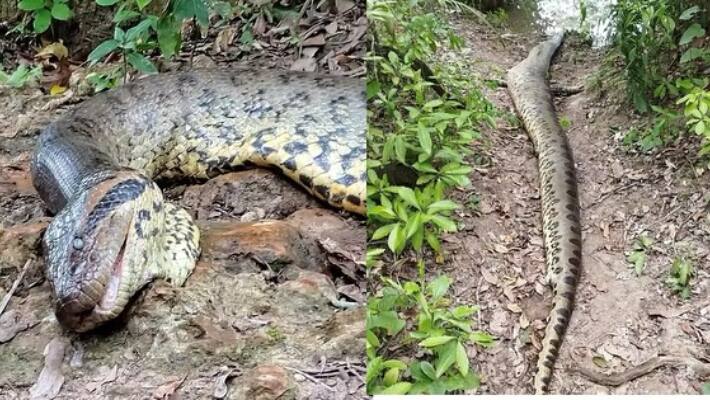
528,86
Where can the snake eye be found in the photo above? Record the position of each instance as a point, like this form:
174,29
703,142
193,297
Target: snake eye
77,243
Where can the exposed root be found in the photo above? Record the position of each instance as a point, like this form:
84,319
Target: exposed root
648,366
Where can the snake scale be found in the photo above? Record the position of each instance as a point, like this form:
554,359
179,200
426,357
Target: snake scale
96,167
527,83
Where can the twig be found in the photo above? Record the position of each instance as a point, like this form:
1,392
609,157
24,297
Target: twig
310,378
15,284
701,368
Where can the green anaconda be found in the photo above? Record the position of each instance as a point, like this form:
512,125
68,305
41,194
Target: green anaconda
95,168
527,83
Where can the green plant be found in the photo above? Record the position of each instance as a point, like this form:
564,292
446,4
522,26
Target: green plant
43,11
655,37
421,118
696,109
665,127
706,388
637,256
21,77
680,275
439,333
565,122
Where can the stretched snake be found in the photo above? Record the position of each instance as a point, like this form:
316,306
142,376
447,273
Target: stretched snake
96,167
527,83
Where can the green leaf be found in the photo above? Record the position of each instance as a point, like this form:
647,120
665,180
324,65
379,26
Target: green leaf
407,194
30,5
398,388
141,63
447,358
388,320
441,205
168,36
428,369
102,50
439,286
461,359
391,376
61,11
396,239
372,339
383,231
124,14
688,14
693,31
463,312
106,3
138,30
692,54
395,364
436,341
184,9
142,3
43,19
424,139
444,223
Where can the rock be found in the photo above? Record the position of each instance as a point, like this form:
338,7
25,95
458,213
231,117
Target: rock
344,333
18,243
312,285
265,382
270,245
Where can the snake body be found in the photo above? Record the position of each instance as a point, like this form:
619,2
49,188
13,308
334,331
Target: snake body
95,168
527,83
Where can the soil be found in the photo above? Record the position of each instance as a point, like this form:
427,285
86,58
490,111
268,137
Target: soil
621,319
274,307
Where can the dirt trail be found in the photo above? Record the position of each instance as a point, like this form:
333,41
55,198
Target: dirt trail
620,319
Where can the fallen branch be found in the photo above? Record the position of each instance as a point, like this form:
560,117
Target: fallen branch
701,368
15,284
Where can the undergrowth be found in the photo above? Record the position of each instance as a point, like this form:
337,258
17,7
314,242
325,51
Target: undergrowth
663,48
422,119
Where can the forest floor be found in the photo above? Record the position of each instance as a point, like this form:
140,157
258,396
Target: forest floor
262,317
621,319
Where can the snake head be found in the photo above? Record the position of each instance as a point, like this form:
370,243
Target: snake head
95,258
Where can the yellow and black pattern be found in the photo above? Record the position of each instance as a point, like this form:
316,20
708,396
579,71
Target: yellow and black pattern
194,124
562,234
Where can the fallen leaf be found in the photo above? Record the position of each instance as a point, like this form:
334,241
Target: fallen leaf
310,51
56,49
343,5
57,89
500,248
600,361
224,39
12,323
332,27
307,64
317,40
168,389
514,308
50,379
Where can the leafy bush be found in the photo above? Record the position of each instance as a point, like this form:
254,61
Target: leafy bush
664,48
421,120
655,39
43,11
439,331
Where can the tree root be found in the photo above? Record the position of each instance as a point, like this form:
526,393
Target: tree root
648,366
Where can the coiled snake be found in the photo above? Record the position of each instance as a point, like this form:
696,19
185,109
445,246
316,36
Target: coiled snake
528,87
94,168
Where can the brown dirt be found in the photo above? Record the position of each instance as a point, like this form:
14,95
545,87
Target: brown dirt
274,307
497,259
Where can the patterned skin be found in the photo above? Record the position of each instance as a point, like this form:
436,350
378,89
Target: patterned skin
528,87
95,167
